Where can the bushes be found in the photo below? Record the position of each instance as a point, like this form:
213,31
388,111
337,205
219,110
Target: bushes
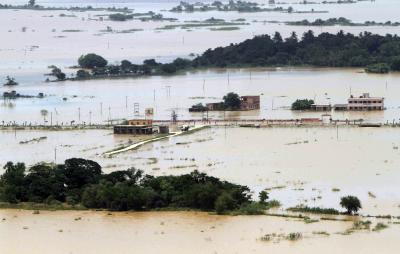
306,209
303,104
378,68
120,17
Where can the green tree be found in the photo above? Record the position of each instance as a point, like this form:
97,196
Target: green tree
303,104
232,101
12,183
351,203
126,65
91,61
224,203
82,74
10,81
168,68
31,3
263,196
395,66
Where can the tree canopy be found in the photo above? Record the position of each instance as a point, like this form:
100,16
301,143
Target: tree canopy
303,104
231,101
80,181
91,61
351,203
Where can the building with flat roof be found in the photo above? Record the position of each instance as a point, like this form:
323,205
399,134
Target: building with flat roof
365,103
246,103
321,107
140,122
250,102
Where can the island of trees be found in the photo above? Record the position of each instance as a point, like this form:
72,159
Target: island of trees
375,53
238,6
81,184
32,5
339,21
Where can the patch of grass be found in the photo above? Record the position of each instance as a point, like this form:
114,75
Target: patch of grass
335,189
228,28
361,225
308,220
72,31
380,226
294,236
321,233
317,210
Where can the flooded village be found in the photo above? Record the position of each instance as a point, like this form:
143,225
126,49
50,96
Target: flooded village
199,127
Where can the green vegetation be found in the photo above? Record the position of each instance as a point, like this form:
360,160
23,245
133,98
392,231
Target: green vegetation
10,81
81,182
378,68
335,50
339,21
31,5
294,236
303,104
351,203
325,50
231,101
92,61
238,6
120,17
318,210
56,72
379,226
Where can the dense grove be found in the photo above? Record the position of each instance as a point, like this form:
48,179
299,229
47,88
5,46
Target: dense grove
80,181
333,50
374,52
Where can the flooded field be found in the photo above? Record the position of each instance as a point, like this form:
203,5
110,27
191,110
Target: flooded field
101,100
310,166
181,232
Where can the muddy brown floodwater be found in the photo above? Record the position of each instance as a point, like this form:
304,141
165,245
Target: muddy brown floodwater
70,232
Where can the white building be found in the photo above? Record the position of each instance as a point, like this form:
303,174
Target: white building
365,103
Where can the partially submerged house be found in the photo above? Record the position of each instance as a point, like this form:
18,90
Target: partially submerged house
321,107
362,103
250,102
140,127
365,103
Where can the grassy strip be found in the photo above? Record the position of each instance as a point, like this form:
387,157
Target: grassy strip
317,210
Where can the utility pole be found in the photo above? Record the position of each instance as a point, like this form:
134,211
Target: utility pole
79,114
55,155
109,114
90,117
101,108
51,118
126,102
337,132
